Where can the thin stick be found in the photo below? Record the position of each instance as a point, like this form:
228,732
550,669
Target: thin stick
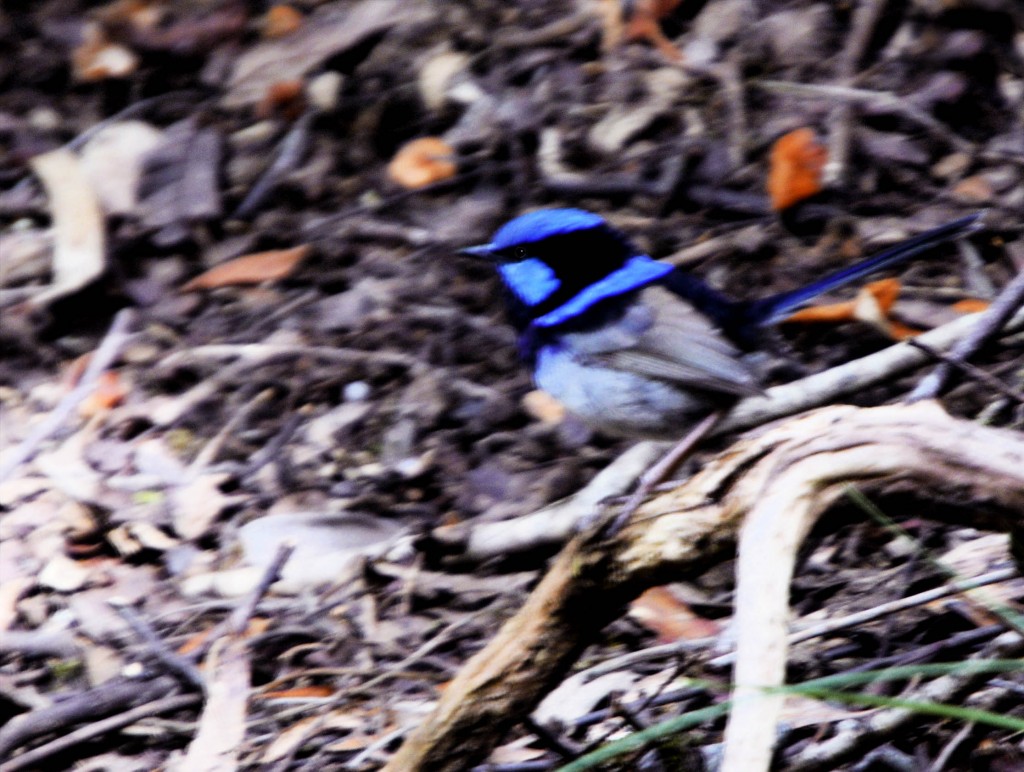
292,148
208,454
991,322
972,371
100,728
173,663
100,360
865,20
663,469
240,617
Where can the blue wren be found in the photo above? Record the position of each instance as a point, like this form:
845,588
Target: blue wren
633,346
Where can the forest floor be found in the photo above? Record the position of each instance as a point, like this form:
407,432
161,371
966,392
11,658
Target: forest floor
228,321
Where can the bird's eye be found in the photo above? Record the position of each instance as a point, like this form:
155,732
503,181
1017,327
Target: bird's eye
520,253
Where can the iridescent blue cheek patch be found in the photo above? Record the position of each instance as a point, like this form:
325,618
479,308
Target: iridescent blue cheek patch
532,280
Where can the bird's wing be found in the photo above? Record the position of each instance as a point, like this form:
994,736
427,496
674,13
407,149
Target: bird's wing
663,336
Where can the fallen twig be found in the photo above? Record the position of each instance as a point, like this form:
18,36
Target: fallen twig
103,700
239,618
98,729
840,122
971,371
101,359
175,664
293,147
1004,313
881,100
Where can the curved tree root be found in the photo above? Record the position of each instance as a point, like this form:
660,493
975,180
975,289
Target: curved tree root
781,480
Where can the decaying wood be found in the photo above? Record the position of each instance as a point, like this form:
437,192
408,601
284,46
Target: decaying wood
799,467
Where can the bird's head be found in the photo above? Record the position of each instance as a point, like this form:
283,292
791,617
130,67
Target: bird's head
558,263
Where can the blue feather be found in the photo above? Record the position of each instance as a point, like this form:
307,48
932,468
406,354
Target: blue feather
542,224
638,272
775,308
532,280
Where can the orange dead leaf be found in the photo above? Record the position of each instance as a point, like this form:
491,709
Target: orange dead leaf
132,14
281,20
421,162
661,612
795,168
970,305
899,331
285,97
828,312
257,626
250,269
872,305
110,391
885,292
301,692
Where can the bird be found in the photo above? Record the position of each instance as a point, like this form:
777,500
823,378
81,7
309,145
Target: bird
637,347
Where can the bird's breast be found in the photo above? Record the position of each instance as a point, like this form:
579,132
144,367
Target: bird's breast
618,402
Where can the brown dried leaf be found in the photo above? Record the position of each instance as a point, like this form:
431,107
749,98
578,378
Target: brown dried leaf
638,21
672,619
285,97
576,696
325,544
872,305
70,473
970,305
802,711
975,190
299,692
181,29
63,574
250,269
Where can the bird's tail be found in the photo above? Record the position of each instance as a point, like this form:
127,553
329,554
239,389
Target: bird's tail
775,308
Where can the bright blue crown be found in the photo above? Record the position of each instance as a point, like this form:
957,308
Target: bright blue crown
542,224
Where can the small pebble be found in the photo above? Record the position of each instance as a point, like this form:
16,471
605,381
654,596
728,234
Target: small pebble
357,391
325,90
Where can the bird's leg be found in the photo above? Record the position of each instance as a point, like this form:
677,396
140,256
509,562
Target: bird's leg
661,470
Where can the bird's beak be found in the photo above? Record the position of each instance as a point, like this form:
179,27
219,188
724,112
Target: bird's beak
485,251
